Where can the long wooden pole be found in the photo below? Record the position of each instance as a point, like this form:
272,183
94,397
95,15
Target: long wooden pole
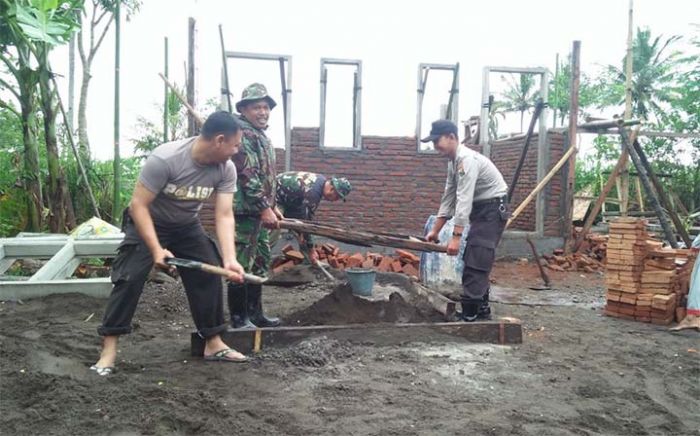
191,127
116,205
539,106
224,62
541,185
625,177
653,199
573,123
165,93
663,197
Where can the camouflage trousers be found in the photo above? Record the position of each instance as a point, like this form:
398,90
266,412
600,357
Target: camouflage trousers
253,245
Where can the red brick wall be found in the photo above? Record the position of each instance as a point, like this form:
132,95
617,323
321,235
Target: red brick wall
395,188
505,155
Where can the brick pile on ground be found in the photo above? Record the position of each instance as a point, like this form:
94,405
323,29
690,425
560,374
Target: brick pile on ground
645,282
626,251
589,258
402,261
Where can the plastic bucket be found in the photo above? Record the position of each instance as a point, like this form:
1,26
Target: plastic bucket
361,280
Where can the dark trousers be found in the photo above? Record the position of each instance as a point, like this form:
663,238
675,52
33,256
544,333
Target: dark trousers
487,222
133,263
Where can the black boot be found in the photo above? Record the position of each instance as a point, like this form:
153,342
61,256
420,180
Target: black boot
255,310
470,311
484,309
238,306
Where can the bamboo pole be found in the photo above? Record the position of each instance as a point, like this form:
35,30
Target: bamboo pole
191,29
624,179
653,199
224,61
541,185
165,91
116,205
573,124
663,197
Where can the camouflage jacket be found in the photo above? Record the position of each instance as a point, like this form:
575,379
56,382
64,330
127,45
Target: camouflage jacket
299,193
255,165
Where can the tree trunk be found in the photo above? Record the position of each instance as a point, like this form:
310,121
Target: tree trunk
31,177
522,117
58,191
83,141
71,84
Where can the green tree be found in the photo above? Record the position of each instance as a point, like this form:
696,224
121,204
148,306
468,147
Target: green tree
655,65
90,37
41,25
590,92
16,57
13,199
520,94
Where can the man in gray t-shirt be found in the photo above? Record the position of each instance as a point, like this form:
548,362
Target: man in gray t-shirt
162,220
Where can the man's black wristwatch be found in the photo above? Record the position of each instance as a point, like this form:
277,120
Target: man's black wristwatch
457,234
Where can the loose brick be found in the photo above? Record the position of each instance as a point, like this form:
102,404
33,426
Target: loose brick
295,255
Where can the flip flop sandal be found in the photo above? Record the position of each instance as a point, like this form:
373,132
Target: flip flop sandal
220,356
107,370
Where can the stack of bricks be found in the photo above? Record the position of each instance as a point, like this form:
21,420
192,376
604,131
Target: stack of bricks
657,286
646,283
626,250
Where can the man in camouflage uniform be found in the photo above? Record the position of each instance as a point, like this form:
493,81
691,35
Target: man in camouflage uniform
254,206
299,193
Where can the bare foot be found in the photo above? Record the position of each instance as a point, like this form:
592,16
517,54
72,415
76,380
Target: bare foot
689,322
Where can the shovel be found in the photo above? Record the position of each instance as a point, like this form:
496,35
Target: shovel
212,269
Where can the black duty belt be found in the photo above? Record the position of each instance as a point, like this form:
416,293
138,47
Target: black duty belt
496,200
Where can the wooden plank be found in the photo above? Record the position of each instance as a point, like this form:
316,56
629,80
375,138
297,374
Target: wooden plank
359,237
100,287
504,332
56,264
439,302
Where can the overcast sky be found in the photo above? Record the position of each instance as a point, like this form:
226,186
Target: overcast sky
391,38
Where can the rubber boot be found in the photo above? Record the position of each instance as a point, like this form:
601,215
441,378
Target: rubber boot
484,309
470,310
238,306
255,310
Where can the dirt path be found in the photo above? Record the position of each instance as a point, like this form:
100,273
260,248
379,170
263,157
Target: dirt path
577,373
